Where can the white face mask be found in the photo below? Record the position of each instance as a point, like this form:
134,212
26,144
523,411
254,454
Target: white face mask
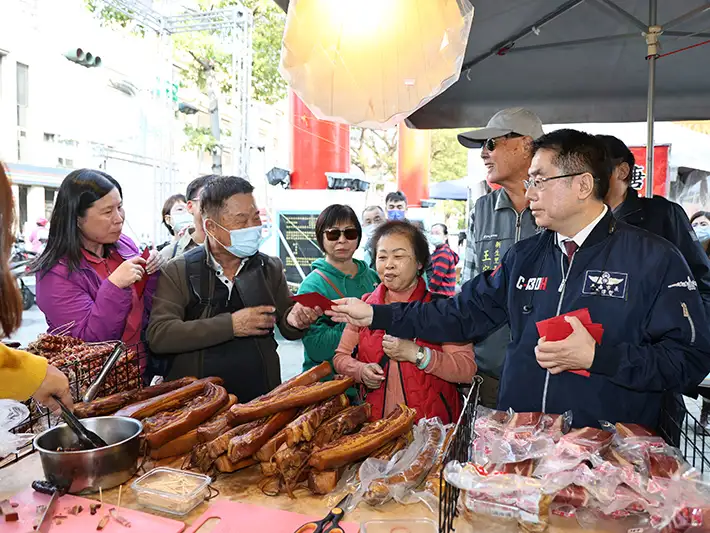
368,232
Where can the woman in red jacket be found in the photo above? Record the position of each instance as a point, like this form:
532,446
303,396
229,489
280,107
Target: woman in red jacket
393,371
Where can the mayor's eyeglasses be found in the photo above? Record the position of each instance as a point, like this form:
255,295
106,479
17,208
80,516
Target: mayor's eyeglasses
539,183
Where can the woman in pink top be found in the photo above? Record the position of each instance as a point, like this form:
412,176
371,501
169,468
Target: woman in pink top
393,371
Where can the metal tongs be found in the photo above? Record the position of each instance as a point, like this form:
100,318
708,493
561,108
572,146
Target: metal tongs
87,438
93,389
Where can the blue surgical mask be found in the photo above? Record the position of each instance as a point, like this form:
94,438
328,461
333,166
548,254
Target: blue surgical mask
179,221
437,239
245,242
703,233
395,214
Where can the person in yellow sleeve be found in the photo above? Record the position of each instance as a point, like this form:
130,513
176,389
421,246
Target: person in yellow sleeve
21,374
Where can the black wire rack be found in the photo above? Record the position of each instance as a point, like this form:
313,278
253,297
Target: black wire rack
681,428
459,450
82,372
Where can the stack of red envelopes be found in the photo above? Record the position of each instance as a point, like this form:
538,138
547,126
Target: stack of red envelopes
558,329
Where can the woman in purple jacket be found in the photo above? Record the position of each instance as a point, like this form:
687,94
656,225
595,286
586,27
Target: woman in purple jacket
91,280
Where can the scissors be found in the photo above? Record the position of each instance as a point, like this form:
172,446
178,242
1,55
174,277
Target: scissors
329,524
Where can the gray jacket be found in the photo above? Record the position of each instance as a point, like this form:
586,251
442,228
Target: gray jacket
495,227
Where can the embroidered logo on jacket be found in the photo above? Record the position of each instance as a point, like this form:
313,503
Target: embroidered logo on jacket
602,283
531,284
689,284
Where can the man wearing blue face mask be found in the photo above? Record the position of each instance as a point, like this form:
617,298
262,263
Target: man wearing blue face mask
215,308
701,226
396,204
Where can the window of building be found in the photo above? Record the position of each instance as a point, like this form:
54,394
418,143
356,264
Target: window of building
21,140
23,93
49,195
49,137
23,206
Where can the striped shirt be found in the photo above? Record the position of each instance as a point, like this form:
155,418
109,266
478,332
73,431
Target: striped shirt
443,278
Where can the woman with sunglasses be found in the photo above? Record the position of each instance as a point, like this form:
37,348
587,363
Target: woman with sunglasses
420,374
336,275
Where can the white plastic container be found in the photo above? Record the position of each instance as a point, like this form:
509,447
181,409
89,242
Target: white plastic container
171,491
414,525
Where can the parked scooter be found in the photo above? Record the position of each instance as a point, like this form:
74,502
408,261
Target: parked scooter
19,268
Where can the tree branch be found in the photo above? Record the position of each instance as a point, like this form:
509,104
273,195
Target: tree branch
204,64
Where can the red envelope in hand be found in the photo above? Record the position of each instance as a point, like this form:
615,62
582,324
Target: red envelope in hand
140,285
558,329
313,300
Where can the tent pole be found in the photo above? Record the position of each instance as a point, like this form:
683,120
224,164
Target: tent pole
652,42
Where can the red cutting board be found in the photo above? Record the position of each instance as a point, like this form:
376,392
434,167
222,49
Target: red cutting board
242,518
83,522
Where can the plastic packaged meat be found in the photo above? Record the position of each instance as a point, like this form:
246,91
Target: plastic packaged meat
509,437
503,495
381,481
577,446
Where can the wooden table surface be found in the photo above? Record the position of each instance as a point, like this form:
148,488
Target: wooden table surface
242,487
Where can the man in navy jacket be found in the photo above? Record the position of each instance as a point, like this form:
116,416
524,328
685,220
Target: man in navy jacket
637,285
656,214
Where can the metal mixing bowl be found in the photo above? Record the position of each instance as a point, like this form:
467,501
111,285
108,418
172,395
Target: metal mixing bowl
87,470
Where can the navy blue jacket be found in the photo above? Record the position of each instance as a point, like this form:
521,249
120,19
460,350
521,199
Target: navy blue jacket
637,285
667,219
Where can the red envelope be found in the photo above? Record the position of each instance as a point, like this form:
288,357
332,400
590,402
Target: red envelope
558,329
313,300
140,285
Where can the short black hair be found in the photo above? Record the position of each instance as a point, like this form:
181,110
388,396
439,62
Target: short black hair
395,197
446,229
698,215
619,153
581,152
198,183
416,238
333,214
218,190
168,205
372,208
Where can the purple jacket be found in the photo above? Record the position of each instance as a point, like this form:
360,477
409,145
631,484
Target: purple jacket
97,310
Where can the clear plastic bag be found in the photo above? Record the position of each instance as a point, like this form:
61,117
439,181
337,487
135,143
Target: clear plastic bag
525,499
381,481
577,446
517,437
12,414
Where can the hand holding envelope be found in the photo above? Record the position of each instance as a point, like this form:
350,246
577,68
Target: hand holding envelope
313,300
558,328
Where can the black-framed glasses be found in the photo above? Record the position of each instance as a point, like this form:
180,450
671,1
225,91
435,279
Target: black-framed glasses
491,144
334,234
539,183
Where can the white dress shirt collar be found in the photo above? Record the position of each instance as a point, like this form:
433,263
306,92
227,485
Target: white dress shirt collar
582,234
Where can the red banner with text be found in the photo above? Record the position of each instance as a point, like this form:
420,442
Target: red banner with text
660,170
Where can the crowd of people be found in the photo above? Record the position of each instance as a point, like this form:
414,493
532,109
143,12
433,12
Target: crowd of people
562,231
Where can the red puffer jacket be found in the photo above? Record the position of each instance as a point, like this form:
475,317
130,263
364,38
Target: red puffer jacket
429,395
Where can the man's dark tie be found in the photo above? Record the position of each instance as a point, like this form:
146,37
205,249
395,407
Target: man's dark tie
571,248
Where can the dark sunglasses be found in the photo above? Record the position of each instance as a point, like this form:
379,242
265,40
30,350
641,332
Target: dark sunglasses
490,144
351,234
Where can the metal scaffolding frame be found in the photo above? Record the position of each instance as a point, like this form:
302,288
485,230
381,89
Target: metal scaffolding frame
233,23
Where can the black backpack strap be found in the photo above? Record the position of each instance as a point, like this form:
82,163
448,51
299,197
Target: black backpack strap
198,283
